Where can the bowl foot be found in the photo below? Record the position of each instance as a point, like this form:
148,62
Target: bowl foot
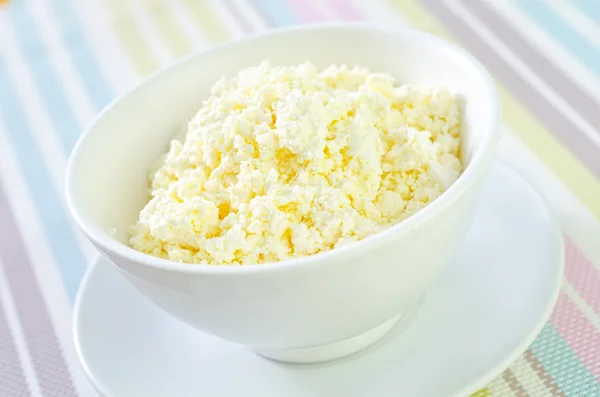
332,351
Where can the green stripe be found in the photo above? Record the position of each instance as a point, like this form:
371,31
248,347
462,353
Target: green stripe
131,39
207,20
177,42
563,365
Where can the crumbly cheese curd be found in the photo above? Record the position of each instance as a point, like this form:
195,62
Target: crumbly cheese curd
288,161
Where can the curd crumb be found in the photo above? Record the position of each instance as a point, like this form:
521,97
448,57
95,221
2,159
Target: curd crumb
288,161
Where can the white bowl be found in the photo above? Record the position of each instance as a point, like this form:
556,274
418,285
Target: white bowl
303,310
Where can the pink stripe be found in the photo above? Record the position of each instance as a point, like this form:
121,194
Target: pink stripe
346,10
582,274
578,333
46,355
305,10
12,379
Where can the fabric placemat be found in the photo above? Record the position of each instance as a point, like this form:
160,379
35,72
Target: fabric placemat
62,61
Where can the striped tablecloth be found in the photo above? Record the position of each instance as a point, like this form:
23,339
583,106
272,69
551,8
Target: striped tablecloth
61,61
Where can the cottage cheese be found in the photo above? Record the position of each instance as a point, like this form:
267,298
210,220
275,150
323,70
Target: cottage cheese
282,162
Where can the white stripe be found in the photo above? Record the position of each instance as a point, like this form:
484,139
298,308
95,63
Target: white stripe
553,51
574,217
254,19
8,306
41,125
588,312
580,22
528,378
235,30
32,105
100,35
69,79
44,267
380,11
324,10
500,388
188,25
521,67
148,32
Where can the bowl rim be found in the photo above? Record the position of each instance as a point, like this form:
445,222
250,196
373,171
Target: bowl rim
479,162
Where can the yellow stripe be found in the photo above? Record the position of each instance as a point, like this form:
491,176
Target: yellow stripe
130,38
207,19
482,393
567,167
178,44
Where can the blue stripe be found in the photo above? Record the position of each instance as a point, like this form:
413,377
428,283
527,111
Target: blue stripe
589,7
47,82
563,365
277,12
562,32
57,228
85,62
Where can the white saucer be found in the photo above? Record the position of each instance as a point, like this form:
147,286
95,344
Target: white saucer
484,312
